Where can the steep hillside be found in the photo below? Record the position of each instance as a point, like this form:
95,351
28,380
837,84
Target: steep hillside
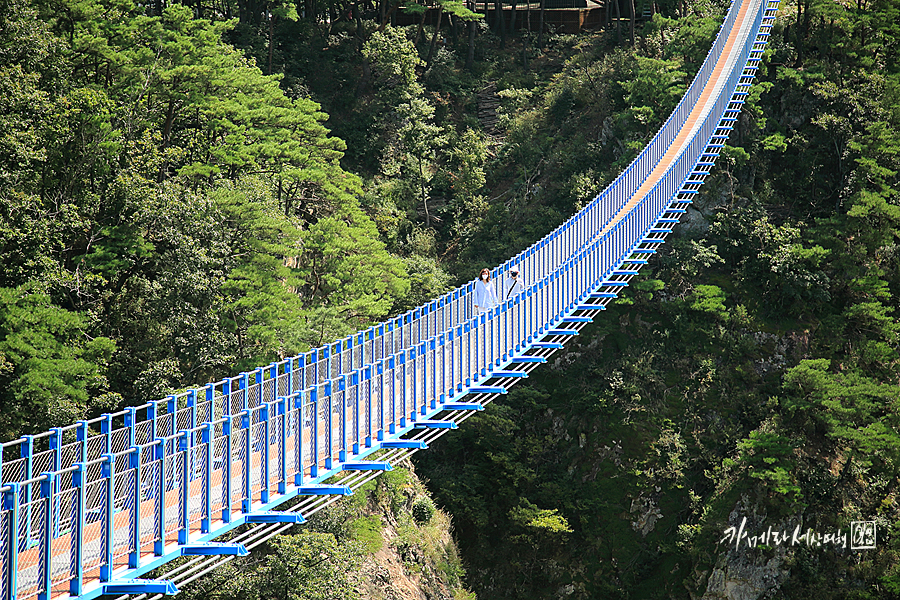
747,380
385,542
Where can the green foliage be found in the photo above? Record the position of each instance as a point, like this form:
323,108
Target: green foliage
857,412
654,90
350,280
259,301
767,455
709,300
168,213
305,566
51,373
394,60
423,509
367,530
390,488
530,516
156,181
774,260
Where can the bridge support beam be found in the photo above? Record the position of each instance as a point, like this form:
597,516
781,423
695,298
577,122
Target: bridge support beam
430,424
325,490
417,444
486,389
590,307
214,549
141,586
366,465
462,406
553,345
528,359
507,374
578,319
273,516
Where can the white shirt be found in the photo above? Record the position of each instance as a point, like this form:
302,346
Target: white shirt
485,296
512,287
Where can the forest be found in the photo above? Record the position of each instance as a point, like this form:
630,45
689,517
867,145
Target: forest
188,190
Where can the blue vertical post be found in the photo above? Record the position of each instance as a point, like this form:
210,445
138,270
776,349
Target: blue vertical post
302,384
464,366
27,449
391,393
314,466
11,568
106,429
247,493
401,367
378,344
135,462
191,402
342,398
81,435
431,366
56,446
210,390
364,384
172,409
282,435
329,424
76,568
326,359
152,416
449,384
108,473
421,379
184,446
243,384
273,375
289,373
160,455
47,492
265,415
314,363
378,369
226,393
357,381
426,380
493,338
259,375
355,385
298,442
227,430
55,465
311,373
478,335
333,360
131,423
191,467
206,437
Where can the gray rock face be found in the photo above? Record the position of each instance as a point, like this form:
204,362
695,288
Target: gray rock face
744,573
738,579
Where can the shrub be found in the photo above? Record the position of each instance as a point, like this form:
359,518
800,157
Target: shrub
423,509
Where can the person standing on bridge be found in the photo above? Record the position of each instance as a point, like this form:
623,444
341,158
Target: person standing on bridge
485,294
512,285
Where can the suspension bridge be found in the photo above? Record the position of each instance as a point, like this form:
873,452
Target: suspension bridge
92,508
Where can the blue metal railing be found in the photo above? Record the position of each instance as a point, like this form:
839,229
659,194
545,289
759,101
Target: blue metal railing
88,508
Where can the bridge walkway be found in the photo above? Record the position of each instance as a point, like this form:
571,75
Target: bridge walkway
91,508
